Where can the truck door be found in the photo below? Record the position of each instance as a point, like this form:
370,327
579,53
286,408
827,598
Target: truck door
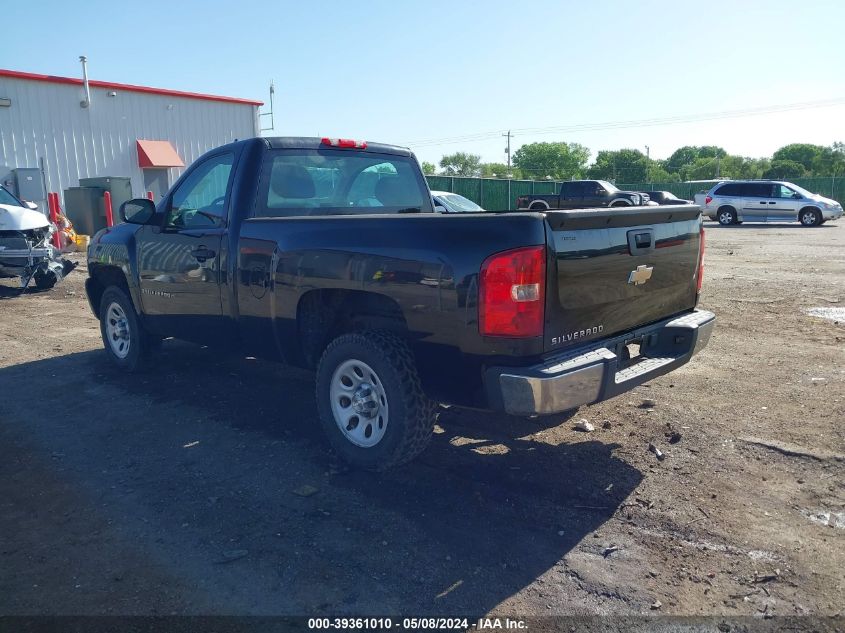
571,195
179,262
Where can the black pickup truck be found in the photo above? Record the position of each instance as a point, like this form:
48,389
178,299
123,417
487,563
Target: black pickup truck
327,254
582,194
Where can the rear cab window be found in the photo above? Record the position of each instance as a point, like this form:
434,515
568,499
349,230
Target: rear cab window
305,182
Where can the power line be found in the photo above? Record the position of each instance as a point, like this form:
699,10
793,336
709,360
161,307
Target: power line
634,123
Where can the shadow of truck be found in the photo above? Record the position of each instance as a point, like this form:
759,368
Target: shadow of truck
205,455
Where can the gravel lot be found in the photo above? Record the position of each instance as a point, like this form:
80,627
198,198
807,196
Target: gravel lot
185,490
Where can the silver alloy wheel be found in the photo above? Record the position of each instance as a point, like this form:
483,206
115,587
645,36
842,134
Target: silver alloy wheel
359,403
726,217
808,218
117,330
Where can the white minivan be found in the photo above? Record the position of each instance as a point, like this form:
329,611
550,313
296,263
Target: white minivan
738,201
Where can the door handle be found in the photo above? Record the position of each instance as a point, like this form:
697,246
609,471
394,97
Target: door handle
773,203
202,253
764,202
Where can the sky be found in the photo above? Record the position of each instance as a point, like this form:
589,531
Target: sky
446,76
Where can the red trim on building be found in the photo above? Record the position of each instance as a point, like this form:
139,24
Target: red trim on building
16,74
157,154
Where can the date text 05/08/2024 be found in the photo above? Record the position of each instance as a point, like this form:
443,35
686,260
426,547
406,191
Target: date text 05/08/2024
424,623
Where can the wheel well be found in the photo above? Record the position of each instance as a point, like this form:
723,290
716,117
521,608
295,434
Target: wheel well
539,204
323,315
101,277
728,207
810,208
620,203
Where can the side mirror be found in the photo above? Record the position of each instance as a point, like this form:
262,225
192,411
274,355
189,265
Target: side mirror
137,211
30,205
797,195
439,208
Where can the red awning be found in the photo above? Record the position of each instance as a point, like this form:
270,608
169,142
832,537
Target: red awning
157,155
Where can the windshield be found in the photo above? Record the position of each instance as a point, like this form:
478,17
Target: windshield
608,187
454,202
297,182
8,198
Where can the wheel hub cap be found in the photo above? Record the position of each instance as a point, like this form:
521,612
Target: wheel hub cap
359,403
365,401
117,330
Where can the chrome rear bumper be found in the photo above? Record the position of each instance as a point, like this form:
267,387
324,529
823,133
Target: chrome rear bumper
599,372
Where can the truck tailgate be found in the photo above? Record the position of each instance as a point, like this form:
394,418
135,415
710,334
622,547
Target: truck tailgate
615,270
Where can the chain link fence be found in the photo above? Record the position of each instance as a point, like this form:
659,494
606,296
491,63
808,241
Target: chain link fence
495,194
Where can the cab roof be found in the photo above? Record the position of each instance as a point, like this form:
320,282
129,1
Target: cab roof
315,142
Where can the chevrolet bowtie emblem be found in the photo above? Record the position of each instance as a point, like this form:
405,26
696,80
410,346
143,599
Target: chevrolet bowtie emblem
641,275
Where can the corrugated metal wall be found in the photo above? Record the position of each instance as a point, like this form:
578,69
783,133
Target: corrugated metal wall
45,122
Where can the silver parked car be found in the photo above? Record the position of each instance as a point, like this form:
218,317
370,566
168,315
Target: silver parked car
453,203
738,201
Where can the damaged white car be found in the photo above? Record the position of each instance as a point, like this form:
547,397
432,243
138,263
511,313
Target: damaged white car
26,250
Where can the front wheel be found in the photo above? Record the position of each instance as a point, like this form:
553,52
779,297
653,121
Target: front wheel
370,401
124,339
810,217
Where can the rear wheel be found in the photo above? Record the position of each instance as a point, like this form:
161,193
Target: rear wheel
810,217
370,401
726,216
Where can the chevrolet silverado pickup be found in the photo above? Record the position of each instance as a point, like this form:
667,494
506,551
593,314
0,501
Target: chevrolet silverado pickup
328,254
581,194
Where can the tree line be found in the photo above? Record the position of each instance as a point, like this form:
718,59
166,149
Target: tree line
567,161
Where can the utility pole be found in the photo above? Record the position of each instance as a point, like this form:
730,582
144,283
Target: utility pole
508,149
647,152
270,113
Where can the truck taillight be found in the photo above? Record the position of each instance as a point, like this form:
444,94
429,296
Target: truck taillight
700,278
344,142
708,199
512,292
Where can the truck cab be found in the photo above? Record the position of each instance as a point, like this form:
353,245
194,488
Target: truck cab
583,194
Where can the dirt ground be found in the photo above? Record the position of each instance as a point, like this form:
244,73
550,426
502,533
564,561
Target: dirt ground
176,491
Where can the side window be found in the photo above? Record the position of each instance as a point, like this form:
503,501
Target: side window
782,191
757,190
200,201
571,190
728,190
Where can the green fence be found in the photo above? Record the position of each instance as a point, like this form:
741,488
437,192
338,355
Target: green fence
493,194
499,195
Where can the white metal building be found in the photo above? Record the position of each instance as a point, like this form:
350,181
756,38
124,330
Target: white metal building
54,129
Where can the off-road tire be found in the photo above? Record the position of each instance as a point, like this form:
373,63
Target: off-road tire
412,415
140,348
726,216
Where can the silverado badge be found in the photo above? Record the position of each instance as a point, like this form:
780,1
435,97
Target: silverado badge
641,275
